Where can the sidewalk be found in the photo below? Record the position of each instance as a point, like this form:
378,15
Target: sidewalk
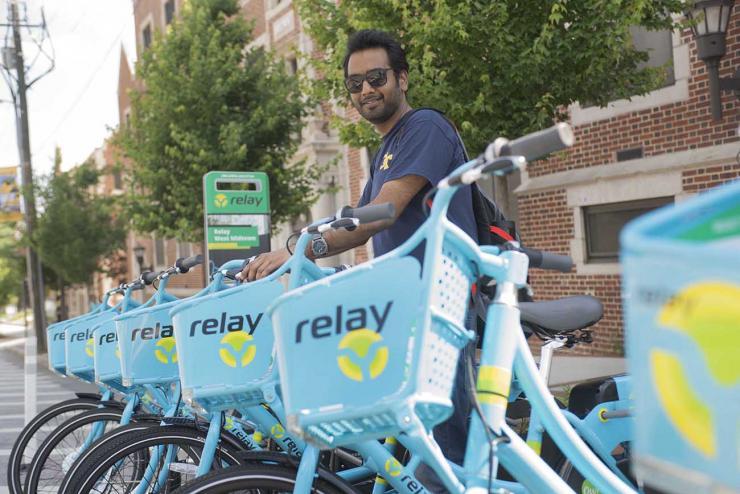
12,336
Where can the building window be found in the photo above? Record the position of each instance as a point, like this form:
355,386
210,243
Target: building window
159,252
146,36
169,11
117,179
292,64
659,45
603,223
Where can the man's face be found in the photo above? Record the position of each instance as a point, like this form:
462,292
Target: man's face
376,104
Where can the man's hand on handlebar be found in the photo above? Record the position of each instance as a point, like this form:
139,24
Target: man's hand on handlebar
264,265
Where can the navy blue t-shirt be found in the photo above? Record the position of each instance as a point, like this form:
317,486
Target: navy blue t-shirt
422,143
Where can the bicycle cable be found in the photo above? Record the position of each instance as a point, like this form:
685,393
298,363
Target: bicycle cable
287,242
490,434
426,202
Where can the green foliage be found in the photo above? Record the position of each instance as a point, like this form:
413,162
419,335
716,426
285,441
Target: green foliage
496,67
211,103
12,264
77,228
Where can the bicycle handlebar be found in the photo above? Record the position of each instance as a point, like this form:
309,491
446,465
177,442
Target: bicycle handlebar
547,260
535,145
370,213
148,277
349,218
185,264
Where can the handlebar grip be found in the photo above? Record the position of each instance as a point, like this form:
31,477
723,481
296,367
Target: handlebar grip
231,273
148,277
539,144
184,264
371,212
548,260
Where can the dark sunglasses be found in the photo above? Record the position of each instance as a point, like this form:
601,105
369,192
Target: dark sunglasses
374,77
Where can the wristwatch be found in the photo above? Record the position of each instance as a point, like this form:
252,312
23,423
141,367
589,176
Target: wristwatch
319,247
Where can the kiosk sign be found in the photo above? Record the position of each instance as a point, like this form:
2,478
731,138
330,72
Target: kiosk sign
237,215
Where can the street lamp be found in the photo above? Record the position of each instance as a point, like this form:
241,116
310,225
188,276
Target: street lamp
139,254
710,19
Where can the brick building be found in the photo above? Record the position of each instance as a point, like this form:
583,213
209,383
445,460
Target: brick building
276,27
629,157
114,266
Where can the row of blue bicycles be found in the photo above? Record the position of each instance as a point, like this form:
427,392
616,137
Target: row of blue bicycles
330,380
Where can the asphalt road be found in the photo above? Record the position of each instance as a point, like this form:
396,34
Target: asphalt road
50,389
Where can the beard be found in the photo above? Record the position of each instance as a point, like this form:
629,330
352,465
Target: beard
383,107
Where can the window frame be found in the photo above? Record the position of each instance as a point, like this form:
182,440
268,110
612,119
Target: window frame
164,12
155,261
147,26
589,213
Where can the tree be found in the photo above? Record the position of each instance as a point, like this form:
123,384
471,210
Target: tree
12,264
496,67
211,102
77,229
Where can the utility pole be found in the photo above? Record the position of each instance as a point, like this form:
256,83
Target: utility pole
13,60
33,266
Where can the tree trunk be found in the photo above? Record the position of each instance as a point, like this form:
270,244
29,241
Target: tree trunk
62,312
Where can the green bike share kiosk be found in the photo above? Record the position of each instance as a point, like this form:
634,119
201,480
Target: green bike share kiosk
236,215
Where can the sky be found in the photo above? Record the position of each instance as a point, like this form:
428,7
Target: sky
76,104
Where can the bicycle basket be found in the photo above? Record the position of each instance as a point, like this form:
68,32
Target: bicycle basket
681,287
146,340
107,356
79,344
55,345
361,351
225,346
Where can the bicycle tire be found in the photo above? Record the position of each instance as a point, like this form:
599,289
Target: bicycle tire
252,479
49,419
137,424
109,461
44,460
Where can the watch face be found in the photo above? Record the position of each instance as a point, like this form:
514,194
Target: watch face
318,246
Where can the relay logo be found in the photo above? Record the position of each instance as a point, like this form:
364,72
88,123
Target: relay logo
238,349
361,355
166,352
221,200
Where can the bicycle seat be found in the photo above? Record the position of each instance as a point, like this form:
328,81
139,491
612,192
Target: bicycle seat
563,315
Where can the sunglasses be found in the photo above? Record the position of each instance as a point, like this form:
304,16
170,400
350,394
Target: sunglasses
374,77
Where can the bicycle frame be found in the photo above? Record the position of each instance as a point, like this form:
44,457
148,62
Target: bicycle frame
504,351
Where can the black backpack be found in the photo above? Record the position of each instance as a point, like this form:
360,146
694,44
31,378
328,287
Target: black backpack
492,226
493,229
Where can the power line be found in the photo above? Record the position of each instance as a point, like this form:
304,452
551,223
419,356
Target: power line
78,98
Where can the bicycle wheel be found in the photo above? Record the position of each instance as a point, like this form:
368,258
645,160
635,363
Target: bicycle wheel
63,445
138,423
35,432
121,465
254,479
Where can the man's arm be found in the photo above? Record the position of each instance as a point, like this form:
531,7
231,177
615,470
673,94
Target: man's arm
399,192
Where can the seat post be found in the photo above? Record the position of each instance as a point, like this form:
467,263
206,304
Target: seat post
546,353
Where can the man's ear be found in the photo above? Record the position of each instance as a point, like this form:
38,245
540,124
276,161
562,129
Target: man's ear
403,80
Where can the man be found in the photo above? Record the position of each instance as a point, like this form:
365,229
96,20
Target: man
419,148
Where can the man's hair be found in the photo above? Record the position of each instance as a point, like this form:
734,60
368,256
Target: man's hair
372,38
